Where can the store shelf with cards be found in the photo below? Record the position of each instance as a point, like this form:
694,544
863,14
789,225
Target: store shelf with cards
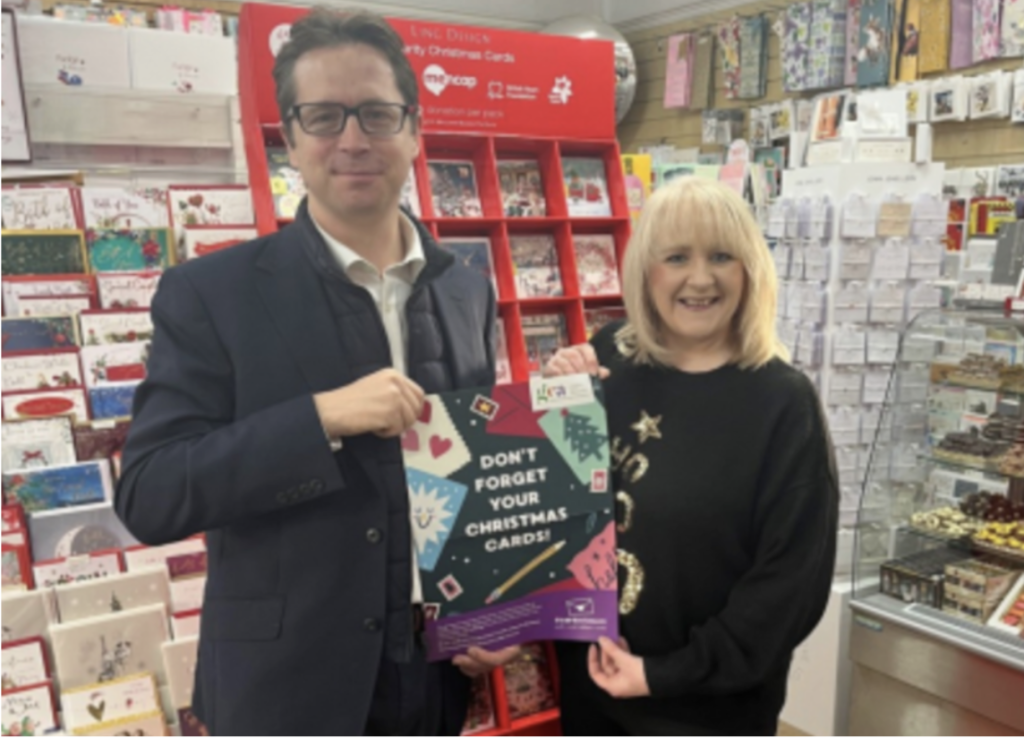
593,181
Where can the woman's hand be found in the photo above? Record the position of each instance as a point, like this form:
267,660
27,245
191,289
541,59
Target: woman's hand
615,670
581,359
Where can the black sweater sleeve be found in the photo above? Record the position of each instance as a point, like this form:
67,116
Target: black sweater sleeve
777,603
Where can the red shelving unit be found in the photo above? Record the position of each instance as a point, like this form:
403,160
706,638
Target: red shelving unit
557,133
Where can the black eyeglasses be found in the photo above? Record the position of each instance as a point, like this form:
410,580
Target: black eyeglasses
376,119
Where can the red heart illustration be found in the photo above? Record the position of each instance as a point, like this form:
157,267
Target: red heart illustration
439,446
426,412
410,440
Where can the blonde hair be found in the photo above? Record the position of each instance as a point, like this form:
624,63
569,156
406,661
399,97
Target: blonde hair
694,211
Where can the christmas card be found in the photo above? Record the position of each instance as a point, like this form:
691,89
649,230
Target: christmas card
37,442
52,487
115,326
522,191
33,333
128,591
29,710
95,565
112,399
57,285
199,241
586,187
536,266
39,209
93,704
129,250
124,208
512,515
595,319
41,370
544,334
286,184
43,252
76,531
596,264
119,291
529,685
46,404
209,205
453,189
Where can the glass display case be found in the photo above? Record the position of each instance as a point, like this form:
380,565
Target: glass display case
938,625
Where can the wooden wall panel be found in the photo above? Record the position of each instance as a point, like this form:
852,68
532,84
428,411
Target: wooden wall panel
971,143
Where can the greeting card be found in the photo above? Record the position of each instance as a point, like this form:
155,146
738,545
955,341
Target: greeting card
38,209
147,557
210,205
502,366
536,266
129,250
596,264
42,252
117,699
29,710
528,683
679,70
53,307
100,439
17,562
105,327
113,363
114,593
35,443
522,192
26,614
115,645
480,713
119,291
24,663
47,488
185,624
119,208
152,723
543,335
473,253
286,184
57,368
16,288
453,188
77,531
34,333
180,667
586,187
46,404
875,43
94,565
594,319
112,399
200,241
536,453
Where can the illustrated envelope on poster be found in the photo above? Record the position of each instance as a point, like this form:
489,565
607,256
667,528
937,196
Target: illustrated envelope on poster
115,362
434,505
124,208
433,445
515,416
98,703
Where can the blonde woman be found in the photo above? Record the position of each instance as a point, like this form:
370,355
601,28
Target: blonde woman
726,490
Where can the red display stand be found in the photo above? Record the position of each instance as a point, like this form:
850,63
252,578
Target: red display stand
486,95
491,96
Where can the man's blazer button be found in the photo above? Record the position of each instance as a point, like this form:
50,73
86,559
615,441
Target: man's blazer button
284,497
371,625
373,535
317,485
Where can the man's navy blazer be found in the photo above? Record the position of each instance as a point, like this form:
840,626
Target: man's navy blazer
226,439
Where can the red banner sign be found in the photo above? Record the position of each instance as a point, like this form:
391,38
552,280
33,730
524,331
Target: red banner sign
481,80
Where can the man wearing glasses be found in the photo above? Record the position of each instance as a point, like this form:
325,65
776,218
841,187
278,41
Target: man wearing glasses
283,373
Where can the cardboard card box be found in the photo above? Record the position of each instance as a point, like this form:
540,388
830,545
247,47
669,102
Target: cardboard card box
182,62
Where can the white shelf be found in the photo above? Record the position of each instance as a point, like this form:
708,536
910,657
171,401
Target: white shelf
117,117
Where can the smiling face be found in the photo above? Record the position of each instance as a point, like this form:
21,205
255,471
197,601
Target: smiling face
350,176
696,288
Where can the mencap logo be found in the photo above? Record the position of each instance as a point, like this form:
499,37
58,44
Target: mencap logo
435,79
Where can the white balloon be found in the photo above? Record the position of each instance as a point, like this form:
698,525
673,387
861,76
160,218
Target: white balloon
625,61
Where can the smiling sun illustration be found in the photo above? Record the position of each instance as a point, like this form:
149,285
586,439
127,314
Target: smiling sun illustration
429,514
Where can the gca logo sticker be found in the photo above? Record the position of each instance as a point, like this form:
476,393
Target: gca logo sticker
436,80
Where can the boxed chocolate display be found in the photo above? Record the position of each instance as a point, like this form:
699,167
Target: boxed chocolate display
918,577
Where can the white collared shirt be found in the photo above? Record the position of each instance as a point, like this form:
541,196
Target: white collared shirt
390,292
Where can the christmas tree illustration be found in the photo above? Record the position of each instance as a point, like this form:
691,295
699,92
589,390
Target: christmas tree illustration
583,436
